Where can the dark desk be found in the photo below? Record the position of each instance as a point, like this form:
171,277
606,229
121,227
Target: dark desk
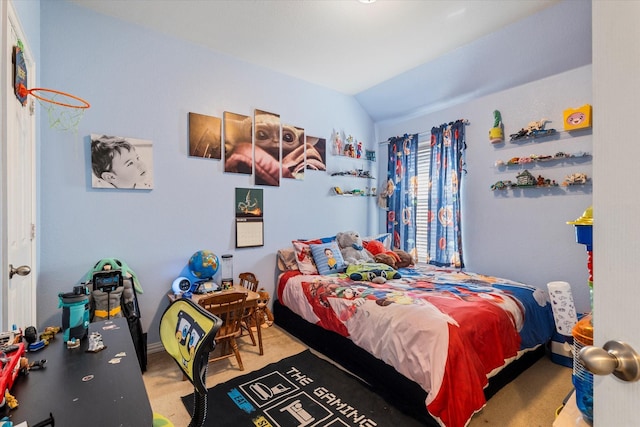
114,397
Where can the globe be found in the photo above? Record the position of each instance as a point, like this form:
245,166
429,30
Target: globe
203,264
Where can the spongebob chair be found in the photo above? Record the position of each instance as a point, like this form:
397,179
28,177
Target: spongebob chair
187,332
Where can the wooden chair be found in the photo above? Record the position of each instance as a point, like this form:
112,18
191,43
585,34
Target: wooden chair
187,333
230,307
249,281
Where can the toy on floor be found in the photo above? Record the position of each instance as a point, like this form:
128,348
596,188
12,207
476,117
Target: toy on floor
263,306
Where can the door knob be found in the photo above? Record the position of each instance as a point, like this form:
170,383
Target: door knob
615,357
23,270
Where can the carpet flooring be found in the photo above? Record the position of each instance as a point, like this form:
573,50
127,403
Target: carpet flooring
530,400
299,390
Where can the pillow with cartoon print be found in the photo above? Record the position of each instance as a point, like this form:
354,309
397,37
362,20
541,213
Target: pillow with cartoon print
305,261
328,258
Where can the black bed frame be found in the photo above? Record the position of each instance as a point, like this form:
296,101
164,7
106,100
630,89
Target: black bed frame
383,379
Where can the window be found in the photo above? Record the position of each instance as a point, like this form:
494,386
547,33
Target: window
424,162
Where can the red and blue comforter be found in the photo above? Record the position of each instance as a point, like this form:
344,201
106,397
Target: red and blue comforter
447,330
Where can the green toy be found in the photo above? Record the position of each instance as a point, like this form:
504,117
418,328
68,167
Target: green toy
116,264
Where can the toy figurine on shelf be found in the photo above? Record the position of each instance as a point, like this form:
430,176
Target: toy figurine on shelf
525,179
535,129
359,150
575,179
337,143
496,133
501,185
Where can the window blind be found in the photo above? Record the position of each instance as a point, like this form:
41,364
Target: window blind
424,162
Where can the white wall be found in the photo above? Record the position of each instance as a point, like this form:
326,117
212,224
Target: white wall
143,84
520,235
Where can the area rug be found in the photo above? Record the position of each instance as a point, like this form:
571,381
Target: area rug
301,390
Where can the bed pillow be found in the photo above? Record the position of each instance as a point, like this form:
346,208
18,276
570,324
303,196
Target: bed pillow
328,258
384,238
306,265
369,270
287,259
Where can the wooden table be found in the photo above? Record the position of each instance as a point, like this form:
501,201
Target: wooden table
103,389
251,302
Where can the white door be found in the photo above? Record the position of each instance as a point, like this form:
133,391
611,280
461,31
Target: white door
616,199
18,185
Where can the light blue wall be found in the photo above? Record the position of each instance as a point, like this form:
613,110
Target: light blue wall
143,84
520,235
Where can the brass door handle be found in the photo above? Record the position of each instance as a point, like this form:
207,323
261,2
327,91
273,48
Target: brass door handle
615,357
23,270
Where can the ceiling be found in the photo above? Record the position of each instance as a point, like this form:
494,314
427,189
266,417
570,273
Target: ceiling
343,45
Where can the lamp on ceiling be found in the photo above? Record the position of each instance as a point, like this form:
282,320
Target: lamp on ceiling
367,1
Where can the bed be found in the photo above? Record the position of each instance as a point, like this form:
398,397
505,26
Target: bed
429,341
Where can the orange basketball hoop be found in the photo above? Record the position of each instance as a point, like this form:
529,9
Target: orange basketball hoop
54,96
63,109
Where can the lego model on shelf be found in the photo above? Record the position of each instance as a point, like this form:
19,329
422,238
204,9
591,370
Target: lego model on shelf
355,192
534,129
356,173
544,160
526,179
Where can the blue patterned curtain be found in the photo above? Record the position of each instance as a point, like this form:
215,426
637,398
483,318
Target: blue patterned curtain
402,172
444,232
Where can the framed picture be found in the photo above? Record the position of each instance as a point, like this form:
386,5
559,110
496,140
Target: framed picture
205,136
267,148
249,232
238,146
293,160
249,214
316,153
121,162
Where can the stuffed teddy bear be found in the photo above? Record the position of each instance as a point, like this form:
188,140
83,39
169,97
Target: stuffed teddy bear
263,302
352,249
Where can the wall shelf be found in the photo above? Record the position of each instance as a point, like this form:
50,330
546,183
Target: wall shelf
356,192
555,136
530,162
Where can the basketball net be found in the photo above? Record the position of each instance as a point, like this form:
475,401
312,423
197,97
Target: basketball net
64,110
62,118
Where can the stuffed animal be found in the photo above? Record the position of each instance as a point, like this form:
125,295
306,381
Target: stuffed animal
385,258
405,258
352,249
381,253
263,305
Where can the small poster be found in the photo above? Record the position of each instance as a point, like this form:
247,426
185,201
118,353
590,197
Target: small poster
249,217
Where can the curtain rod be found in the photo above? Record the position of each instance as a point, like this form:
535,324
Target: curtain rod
426,132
